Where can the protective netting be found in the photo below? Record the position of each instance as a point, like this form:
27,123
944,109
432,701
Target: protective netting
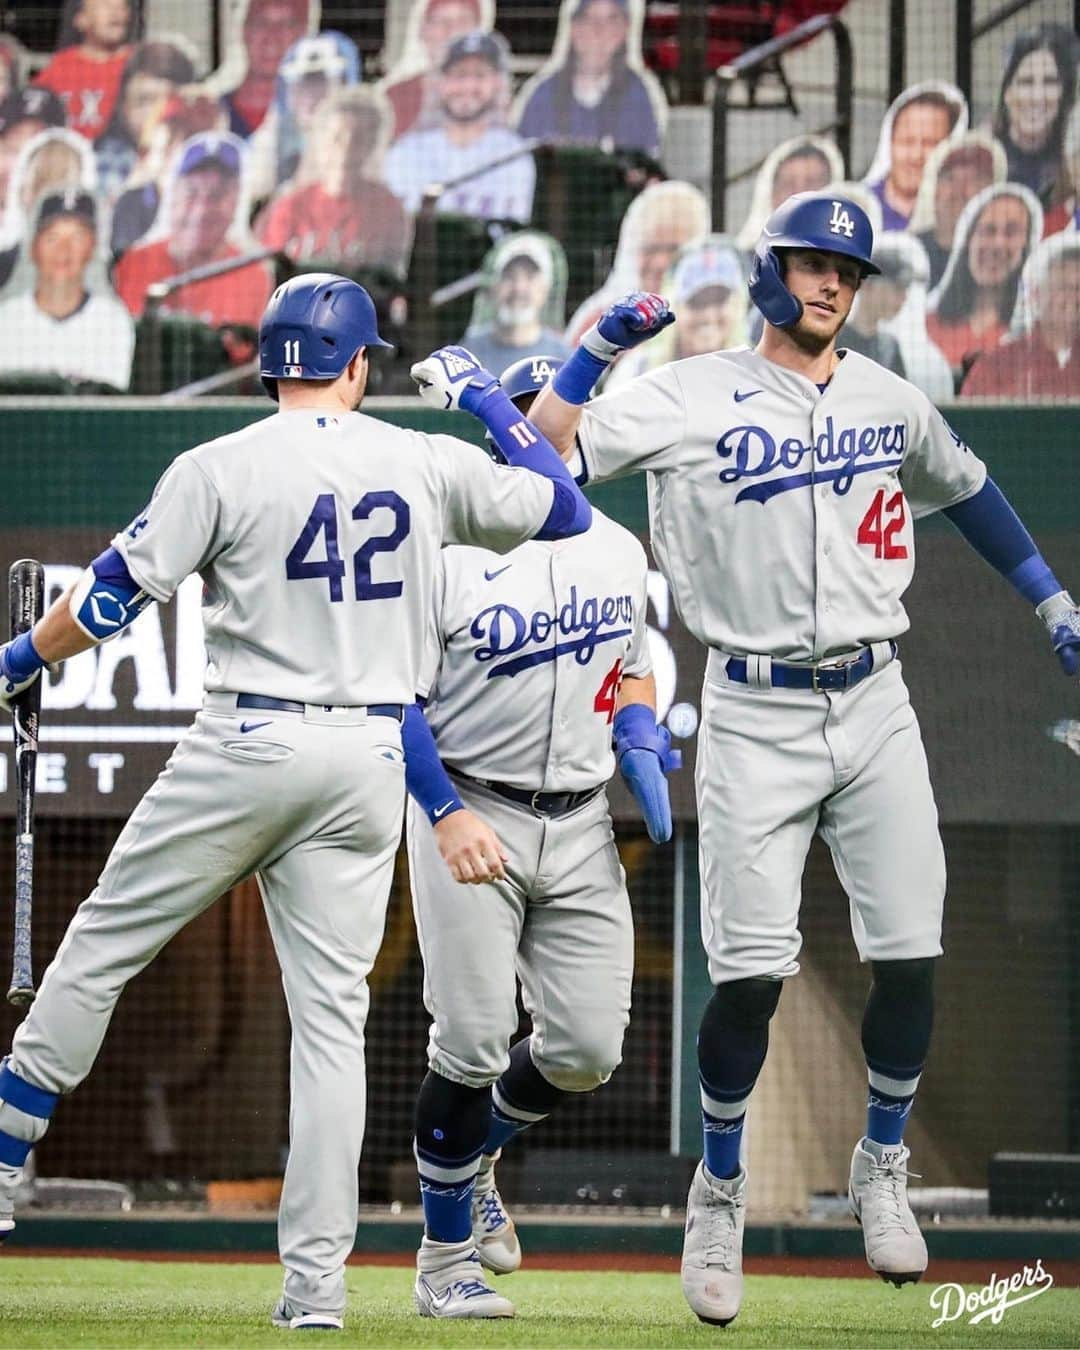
321,150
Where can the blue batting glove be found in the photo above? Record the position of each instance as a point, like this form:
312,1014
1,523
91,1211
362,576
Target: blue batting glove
630,321
645,755
453,378
644,777
1061,616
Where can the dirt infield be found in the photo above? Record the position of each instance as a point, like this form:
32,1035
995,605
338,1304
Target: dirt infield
1066,1273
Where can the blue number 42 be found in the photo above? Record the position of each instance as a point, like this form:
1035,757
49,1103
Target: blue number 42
324,520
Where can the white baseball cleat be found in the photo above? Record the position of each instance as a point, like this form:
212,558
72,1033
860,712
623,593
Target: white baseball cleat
450,1282
287,1315
493,1229
712,1276
878,1194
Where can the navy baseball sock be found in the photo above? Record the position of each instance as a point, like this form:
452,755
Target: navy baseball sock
520,1098
732,1043
896,1030
451,1123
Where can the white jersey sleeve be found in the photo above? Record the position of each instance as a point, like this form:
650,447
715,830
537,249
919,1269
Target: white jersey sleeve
490,505
638,661
939,470
640,426
177,533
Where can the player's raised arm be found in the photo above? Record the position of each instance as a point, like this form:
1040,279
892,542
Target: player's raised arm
630,321
452,378
940,470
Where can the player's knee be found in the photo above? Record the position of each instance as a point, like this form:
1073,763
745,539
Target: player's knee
744,1004
906,981
588,1065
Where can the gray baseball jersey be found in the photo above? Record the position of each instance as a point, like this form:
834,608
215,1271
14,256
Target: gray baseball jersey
526,654
782,516
531,649
317,536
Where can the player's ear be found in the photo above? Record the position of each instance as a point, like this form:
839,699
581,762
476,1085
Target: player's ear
357,363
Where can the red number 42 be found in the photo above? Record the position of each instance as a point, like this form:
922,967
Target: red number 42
882,523
604,702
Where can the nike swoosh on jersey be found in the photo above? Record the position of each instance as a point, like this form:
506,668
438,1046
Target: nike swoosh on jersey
442,810
245,727
490,576
740,397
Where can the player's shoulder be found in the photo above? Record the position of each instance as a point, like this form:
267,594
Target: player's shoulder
870,376
609,535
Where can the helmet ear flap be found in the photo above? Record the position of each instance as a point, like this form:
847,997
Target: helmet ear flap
769,291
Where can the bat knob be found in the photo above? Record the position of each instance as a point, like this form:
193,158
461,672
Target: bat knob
19,997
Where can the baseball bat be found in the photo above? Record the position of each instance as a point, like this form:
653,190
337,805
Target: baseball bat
26,600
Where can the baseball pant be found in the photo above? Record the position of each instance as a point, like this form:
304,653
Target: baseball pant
316,810
775,766
561,922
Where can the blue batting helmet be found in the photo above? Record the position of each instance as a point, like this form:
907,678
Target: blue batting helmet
520,380
529,375
313,327
806,220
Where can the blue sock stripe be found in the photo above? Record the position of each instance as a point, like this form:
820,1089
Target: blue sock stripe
14,1152
901,1071
447,1209
24,1096
723,1144
886,1117
504,1105
725,1094
716,1125
443,1159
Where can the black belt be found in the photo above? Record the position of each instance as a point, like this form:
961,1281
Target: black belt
543,803
265,704
824,677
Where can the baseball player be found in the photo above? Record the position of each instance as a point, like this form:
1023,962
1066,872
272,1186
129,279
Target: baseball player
783,483
540,658
317,535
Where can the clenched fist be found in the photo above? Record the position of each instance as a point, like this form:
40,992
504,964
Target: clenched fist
453,378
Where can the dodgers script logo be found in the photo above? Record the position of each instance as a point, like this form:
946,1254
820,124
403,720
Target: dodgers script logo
833,454
513,640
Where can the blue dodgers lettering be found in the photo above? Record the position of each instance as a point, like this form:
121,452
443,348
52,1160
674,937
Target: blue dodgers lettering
585,624
833,456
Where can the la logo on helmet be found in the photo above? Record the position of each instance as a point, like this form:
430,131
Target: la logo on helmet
840,222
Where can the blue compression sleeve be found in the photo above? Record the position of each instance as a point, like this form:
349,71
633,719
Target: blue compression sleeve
428,782
21,659
526,448
574,382
996,533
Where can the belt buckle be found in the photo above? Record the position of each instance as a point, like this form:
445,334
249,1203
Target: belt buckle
534,803
830,665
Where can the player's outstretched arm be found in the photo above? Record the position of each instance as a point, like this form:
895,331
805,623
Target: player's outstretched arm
97,607
991,526
453,378
630,321
468,846
644,754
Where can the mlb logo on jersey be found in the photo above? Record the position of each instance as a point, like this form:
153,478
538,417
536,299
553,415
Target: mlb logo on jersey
840,222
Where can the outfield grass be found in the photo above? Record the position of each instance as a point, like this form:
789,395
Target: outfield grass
89,1302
